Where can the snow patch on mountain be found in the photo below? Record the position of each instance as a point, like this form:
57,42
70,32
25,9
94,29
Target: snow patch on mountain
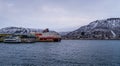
114,35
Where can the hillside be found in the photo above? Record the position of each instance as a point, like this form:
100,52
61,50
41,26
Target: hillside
18,30
99,29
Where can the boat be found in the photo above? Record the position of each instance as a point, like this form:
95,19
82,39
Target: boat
43,36
28,38
48,36
2,36
12,39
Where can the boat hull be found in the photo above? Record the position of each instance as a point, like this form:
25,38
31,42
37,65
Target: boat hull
12,42
49,39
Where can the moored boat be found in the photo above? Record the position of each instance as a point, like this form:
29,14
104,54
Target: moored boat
28,38
42,36
48,36
12,39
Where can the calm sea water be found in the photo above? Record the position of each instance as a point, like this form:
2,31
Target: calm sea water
64,53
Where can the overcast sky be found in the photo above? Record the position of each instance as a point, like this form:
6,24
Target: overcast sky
59,15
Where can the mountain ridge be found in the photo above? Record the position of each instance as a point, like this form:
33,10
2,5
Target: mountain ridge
18,30
99,29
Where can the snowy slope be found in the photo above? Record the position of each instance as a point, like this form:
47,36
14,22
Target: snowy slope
18,30
107,28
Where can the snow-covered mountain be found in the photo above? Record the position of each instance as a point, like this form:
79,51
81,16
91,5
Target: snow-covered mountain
18,30
99,29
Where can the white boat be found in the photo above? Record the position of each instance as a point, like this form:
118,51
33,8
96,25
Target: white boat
12,39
